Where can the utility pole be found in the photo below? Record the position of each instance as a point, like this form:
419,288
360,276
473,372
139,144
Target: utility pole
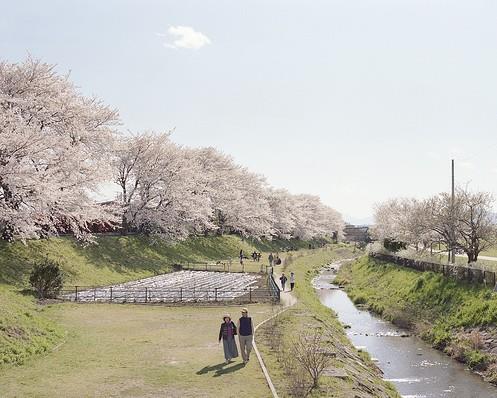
452,220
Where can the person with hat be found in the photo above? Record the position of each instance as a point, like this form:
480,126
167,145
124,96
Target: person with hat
227,333
245,334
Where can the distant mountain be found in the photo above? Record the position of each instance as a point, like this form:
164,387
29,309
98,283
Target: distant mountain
358,220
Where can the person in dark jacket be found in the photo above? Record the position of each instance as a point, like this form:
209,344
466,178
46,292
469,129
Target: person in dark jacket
283,280
227,333
245,335
271,258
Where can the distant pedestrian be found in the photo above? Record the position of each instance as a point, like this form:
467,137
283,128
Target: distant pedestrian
292,281
258,256
241,257
245,335
283,280
227,333
271,258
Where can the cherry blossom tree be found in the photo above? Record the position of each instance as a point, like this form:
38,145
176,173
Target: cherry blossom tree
401,220
314,219
237,195
467,224
161,187
282,205
57,147
53,152
476,223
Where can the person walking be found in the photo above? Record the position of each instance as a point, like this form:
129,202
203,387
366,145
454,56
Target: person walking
227,333
283,280
292,281
270,258
245,334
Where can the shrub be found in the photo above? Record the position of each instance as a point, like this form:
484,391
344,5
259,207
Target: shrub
309,353
419,284
359,299
393,245
46,278
476,360
440,337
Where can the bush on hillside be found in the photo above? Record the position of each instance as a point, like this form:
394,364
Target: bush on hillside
47,279
393,245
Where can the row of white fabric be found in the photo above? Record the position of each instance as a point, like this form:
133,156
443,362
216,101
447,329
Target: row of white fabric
185,286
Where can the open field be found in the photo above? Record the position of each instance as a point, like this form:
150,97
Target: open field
133,350
137,351
25,330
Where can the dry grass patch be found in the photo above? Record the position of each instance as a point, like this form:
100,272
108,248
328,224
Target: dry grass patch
138,351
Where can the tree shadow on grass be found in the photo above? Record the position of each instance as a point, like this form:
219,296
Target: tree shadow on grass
220,369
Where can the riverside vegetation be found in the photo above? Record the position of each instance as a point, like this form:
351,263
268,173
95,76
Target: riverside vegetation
351,372
452,316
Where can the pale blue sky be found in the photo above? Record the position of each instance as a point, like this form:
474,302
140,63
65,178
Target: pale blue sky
356,101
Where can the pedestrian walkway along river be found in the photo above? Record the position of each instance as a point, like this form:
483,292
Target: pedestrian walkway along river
416,369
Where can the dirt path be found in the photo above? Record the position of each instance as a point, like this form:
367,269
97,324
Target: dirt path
287,299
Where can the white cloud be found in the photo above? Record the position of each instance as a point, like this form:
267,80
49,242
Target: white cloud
185,37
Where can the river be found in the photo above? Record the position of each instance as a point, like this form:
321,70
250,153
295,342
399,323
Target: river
416,369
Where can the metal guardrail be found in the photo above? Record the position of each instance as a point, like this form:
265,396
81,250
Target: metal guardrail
273,287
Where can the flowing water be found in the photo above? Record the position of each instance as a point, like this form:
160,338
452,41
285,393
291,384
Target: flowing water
416,369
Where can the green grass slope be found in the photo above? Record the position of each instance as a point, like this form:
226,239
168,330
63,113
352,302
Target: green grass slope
455,317
24,330
117,259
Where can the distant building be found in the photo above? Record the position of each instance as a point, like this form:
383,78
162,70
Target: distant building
356,233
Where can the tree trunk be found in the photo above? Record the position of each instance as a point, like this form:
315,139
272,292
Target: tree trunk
472,256
124,226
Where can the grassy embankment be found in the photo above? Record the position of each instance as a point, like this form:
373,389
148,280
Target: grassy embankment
118,350
354,373
454,317
26,330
